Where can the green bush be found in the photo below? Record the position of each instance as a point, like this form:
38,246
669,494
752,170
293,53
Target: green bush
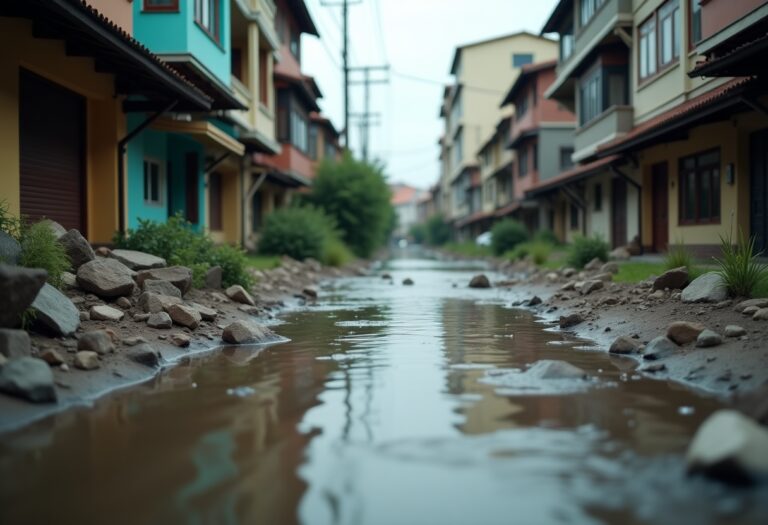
298,232
739,267
9,223
546,237
418,233
538,251
336,253
584,249
179,244
678,256
355,195
41,249
506,235
438,231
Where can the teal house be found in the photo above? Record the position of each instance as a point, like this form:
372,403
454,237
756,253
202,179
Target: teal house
176,154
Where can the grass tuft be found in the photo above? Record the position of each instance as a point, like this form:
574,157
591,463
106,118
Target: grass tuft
743,274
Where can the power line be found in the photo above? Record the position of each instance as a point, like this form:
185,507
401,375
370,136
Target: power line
441,83
378,19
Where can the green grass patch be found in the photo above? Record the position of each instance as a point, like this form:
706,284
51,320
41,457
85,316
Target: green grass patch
468,249
263,262
635,272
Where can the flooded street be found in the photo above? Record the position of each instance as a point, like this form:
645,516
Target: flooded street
390,405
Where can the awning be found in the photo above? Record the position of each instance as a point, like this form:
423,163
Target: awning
86,32
204,132
304,86
288,179
222,95
745,58
573,175
475,217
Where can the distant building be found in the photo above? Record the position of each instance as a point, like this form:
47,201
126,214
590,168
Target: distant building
405,200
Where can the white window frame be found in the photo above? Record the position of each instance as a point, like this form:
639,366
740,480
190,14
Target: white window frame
161,182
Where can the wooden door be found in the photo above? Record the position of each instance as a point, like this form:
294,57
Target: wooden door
52,151
619,213
192,188
758,190
215,221
660,206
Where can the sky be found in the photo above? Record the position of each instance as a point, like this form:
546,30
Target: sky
416,38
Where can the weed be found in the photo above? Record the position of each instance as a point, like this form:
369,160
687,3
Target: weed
742,272
584,249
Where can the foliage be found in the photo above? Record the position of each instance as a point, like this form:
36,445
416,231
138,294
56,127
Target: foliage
635,272
41,249
356,196
263,262
418,233
438,231
179,244
506,235
739,267
546,237
538,251
298,232
678,256
584,249
468,249
336,253
9,223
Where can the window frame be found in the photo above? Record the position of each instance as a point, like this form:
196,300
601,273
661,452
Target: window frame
595,6
691,19
566,152
161,182
146,7
523,163
658,40
527,58
213,32
574,218
715,184
598,197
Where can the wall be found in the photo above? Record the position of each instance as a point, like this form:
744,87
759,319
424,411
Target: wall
719,14
551,140
118,11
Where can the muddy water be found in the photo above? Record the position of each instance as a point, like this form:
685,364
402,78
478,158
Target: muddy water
392,405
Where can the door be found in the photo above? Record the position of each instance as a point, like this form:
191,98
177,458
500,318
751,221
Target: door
660,206
52,150
758,190
192,188
215,221
619,213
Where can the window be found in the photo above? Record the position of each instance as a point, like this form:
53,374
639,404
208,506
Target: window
237,64
695,22
264,58
566,162
457,110
154,183
535,154
574,217
216,211
489,191
660,39
648,48
458,145
299,130
330,146
590,96
700,188
601,89
598,197
522,170
588,10
207,17
295,44
522,59
566,44
313,138
167,6
521,107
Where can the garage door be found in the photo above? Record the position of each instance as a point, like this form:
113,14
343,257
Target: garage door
52,146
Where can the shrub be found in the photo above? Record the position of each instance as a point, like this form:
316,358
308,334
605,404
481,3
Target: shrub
739,267
678,256
41,249
418,233
537,250
355,195
9,223
546,237
298,232
336,253
584,249
506,235
438,231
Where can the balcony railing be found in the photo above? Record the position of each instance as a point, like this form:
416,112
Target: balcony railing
612,123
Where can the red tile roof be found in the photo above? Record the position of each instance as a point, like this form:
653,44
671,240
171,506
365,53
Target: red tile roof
572,175
403,195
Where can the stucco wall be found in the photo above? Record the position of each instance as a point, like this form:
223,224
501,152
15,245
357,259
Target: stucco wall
551,140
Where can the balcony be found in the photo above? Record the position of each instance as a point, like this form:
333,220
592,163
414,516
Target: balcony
612,123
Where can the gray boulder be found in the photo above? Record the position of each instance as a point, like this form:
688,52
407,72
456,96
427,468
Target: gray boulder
28,378
55,313
242,332
102,312
674,279
480,281
708,288
87,360
138,260
683,332
708,339
733,330
10,249
153,303
160,320
161,288
185,316
751,303
659,348
18,289
106,278
593,265
77,247
97,341
610,267
57,229
552,369
592,286
145,355
624,346
238,294
179,276
14,343
208,314
213,278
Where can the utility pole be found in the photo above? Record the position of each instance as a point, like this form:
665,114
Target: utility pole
344,58
366,82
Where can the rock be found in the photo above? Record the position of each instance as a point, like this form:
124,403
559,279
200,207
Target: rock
609,301
480,281
28,378
310,292
242,332
569,272
57,229
137,260
592,286
77,247
755,404
734,331
69,280
52,357
761,315
85,316
751,303
568,287
750,310
386,276
18,289
185,316
659,348
106,278
159,320
624,346
103,312
605,277
54,312
153,303
610,267
10,249
709,288
213,277
535,301
238,294
161,288
133,341
552,369
683,332
87,360
219,297
653,369
593,265
98,341
620,254
208,314
571,320
552,277
145,355
103,251
708,339
408,282
124,303
674,279
14,343
181,340
658,295
179,276
731,448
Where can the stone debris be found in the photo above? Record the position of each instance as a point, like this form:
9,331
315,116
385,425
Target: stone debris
708,339
153,303
593,265
106,278
480,281
28,378
138,260
179,276
52,357
624,346
87,360
242,332
610,267
674,279
659,348
408,282
239,294
133,341
185,316
683,332
55,313
213,277
144,354
761,315
750,310
207,314
708,288
103,312
591,286
124,303
160,320
161,287
77,247
571,320
98,341
733,330
18,288
181,340
14,343
751,303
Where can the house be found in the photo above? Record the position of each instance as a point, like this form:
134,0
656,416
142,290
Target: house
67,81
323,140
541,136
470,111
405,199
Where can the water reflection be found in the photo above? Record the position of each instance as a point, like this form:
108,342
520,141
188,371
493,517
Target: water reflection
377,411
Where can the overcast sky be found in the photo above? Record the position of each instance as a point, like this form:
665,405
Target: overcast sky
416,38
